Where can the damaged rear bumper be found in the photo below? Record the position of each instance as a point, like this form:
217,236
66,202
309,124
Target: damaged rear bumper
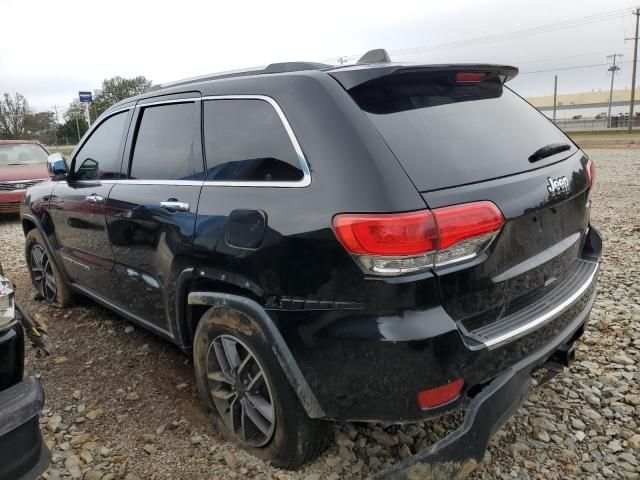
456,455
23,454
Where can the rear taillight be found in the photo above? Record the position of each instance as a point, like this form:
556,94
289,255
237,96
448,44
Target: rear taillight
466,230
387,234
591,173
394,244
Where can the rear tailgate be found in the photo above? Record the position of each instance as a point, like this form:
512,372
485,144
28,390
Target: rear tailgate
462,141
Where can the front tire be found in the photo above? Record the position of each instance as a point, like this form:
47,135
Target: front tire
45,276
242,384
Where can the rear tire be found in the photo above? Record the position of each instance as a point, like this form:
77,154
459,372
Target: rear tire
291,438
45,276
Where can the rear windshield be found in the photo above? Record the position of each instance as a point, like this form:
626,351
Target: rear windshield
446,133
18,154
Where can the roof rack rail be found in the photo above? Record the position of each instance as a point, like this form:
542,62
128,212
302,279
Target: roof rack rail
271,68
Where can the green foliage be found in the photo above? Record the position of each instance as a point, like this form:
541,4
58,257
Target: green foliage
68,131
18,122
116,89
41,126
14,112
76,109
63,149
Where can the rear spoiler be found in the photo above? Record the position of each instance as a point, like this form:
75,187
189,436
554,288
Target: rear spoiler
355,75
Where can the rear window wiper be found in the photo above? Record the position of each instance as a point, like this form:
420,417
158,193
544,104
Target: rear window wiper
549,150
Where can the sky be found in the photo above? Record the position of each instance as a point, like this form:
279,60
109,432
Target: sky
52,49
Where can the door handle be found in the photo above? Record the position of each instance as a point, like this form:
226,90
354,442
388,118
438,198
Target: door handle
93,198
173,206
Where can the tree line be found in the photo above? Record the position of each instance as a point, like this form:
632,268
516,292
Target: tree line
19,122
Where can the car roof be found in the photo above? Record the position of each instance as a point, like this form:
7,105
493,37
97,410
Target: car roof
372,65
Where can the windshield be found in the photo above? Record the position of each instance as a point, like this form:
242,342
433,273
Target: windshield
22,153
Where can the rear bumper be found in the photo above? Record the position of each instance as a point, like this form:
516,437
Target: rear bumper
366,366
462,450
23,455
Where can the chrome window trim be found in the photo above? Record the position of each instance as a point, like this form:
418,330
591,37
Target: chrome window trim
305,181
167,101
140,182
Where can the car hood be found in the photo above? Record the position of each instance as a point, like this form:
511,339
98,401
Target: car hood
25,171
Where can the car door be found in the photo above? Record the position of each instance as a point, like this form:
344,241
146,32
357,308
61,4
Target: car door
77,205
151,212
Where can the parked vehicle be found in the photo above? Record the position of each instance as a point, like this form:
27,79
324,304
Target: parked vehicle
22,163
23,455
378,242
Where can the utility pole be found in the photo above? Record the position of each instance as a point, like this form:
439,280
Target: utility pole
613,69
77,128
55,132
633,74
555,96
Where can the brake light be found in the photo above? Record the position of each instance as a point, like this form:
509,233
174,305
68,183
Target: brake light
394,244
387,234
470,77
435,397
591,173
465,230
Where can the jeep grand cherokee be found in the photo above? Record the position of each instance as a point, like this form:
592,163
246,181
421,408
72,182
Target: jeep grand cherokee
376,242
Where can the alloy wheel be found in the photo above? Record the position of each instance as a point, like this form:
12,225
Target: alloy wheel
240,390
43,275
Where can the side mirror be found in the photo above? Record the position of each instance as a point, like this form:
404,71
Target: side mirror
57,166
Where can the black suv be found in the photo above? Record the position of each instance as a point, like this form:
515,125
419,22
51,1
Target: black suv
377,242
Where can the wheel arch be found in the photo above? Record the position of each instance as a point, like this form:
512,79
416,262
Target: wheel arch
212,300
30,222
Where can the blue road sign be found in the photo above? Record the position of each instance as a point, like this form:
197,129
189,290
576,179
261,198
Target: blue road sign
85,97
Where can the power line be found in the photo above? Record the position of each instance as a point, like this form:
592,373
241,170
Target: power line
604,16
518,33
575,67
592,53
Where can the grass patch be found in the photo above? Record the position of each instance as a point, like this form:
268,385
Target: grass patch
636,131
63,149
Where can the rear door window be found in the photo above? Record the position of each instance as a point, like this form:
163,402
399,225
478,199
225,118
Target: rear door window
99,158
163,148
245,140
445,133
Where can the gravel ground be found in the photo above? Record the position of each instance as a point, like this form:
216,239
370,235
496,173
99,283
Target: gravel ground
122,403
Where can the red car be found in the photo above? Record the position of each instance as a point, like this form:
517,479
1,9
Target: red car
23,163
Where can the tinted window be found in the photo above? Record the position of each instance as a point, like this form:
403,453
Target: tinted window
246,140
163,146
98,158
446,133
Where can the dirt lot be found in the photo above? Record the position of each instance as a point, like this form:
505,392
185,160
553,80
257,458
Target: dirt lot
616,139
121,403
